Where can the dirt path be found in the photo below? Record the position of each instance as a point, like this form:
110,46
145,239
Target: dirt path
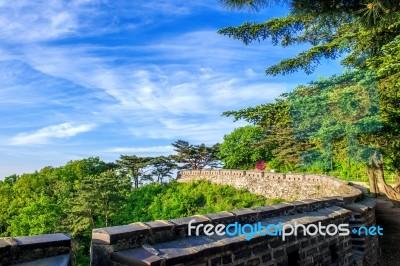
388,218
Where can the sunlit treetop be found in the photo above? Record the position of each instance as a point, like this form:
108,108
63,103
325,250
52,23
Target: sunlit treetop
353,28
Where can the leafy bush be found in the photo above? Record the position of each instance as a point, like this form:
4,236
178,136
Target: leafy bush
173,200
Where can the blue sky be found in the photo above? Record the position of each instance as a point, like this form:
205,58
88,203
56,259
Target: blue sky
102,78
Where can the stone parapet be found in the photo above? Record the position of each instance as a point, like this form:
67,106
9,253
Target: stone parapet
49,248
291,186
234,250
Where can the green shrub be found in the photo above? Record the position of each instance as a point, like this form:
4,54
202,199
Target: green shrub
174,200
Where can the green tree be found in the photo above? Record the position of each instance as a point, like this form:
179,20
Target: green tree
6,197
387,67
366,33
242,148
274,119
200,197
132,165
40,215
162,167
356,29
195,156
97,199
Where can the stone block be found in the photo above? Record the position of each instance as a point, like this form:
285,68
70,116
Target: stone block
265,212
112,235
159,226
267,257
284,208
246,215
60,260
43,241
175,252
229,243
253,262
244,253
136,257
224,217
203,246
8,249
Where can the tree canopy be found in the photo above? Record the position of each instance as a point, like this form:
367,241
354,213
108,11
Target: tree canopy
355,29
195,156
340,121
89,193
241,149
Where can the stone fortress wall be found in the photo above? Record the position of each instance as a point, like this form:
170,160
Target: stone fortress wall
318,199
51,249
277,185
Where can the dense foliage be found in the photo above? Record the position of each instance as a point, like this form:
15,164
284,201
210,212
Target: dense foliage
343,124
358,29
242,148
347,125
195,156
89,193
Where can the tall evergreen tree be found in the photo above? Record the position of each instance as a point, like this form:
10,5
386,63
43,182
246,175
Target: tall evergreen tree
132,165
195,156
357,29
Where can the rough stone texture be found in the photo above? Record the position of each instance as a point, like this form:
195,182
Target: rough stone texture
319,199
169,242
366,249
51,249
261,250
60,260
276,185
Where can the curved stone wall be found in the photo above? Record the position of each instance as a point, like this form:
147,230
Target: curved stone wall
321,200
276,185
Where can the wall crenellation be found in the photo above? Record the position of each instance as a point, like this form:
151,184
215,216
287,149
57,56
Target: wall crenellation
169,243
317,199
50,249
291,186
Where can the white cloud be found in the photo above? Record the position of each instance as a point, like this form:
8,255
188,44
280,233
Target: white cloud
43,135
141,92
250,73
25,21
193,87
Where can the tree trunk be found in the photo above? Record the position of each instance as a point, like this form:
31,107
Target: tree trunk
398,177
106,206
390,192
92,218
373,186
136,178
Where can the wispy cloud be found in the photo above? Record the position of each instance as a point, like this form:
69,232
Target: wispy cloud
43,135
175,87
46,19
135,75
27,21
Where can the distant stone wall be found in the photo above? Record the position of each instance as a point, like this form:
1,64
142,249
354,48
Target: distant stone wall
277,185
52,249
